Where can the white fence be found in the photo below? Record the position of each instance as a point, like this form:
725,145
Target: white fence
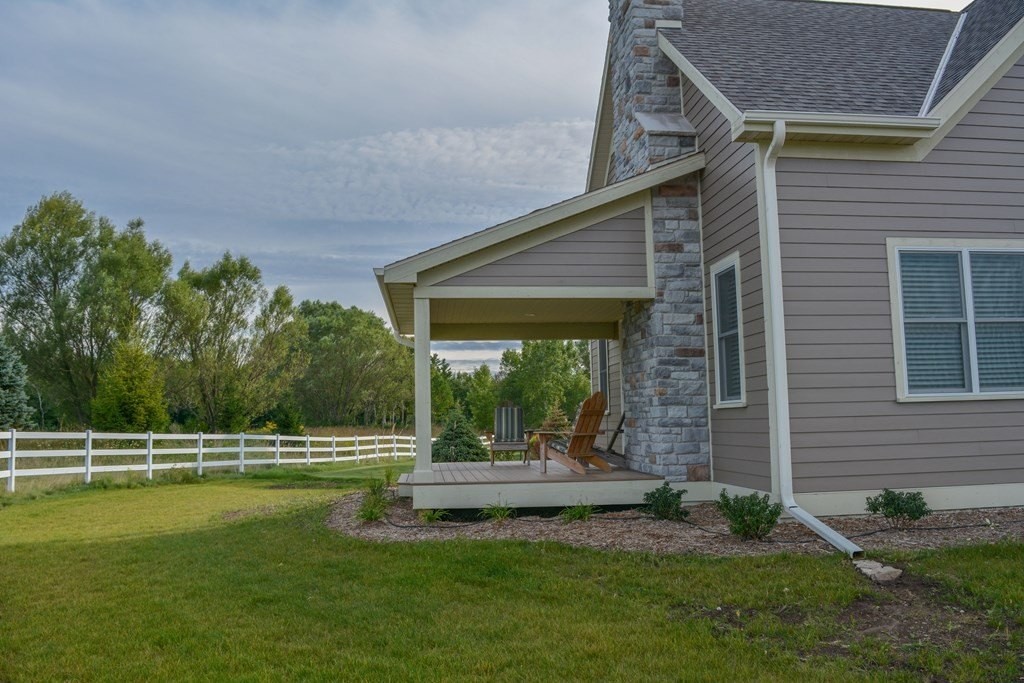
152,452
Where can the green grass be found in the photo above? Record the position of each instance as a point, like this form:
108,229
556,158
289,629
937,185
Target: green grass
237,578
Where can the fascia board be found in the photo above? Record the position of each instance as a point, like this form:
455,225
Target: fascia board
714,95
592,168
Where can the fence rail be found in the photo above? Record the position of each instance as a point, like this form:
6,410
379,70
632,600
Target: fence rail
141,453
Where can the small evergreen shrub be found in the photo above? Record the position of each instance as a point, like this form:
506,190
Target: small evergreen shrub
498,512
666,502
899,508
578,513
750,517
390,477
458,442
433,516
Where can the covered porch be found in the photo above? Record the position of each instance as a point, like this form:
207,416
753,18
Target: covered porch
564,272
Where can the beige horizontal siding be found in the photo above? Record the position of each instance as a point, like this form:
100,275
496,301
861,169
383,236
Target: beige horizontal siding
849,432
729,224
606,254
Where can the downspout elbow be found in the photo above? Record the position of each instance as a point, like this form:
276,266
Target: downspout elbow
780,369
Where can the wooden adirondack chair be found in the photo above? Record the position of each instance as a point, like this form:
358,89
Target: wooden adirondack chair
578,447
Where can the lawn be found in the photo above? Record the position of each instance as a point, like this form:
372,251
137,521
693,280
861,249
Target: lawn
238,578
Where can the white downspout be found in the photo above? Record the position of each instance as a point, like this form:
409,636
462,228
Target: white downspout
779,368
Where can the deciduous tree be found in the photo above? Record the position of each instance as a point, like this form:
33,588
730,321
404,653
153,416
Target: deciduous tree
239,346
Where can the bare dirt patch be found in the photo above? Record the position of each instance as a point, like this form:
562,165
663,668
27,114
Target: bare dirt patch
705,532
910,625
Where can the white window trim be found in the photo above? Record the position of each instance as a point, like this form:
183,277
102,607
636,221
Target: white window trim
894,245
730,261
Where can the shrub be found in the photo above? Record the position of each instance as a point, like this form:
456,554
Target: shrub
458,442
750,517
666,502
498,512
432,516
390,477
577,513
899,508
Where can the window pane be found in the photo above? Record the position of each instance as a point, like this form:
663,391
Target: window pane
725,282
998,283
935,357
931,284
1000,356
729,367
602,366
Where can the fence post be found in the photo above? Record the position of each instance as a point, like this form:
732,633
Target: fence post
13,448
199,454
88,456
277,449
149,455
357,449
308,460
241,453
334,448
394,446
376,447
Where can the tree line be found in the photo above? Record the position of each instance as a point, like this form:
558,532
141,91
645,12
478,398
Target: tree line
97,331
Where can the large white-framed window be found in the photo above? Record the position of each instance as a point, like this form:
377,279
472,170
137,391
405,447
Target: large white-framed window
958,318
727,329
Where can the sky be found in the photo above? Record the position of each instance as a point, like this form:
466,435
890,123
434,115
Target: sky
321,138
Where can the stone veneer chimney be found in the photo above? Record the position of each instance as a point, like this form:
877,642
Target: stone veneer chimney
664,369
648,126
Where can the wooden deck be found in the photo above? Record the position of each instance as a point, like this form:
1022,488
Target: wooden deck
476,484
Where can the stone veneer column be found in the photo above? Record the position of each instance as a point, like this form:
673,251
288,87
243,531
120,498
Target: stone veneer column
664,369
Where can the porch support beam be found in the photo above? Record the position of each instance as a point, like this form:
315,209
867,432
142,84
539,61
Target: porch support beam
422,472
502,331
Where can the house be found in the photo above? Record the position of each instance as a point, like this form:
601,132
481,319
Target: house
800,256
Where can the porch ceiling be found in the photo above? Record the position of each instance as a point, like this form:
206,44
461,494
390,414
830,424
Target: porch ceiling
496,319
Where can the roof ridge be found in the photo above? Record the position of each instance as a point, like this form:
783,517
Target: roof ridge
879,5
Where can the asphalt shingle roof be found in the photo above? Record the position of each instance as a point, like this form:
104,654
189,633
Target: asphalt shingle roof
986,24
803,55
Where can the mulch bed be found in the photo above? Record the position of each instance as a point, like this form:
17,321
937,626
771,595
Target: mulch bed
705,532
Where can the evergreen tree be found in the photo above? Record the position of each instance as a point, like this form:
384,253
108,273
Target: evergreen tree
130,396
458,442
14,410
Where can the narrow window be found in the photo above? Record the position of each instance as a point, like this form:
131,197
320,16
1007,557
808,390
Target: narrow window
962,312
728,330
602,366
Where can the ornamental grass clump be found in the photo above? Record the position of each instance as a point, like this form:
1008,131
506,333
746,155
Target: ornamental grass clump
375,502
581,512
498,512
433,516
666,502
900,508
750,517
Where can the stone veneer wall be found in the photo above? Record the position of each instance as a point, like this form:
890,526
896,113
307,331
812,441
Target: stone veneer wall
663,360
